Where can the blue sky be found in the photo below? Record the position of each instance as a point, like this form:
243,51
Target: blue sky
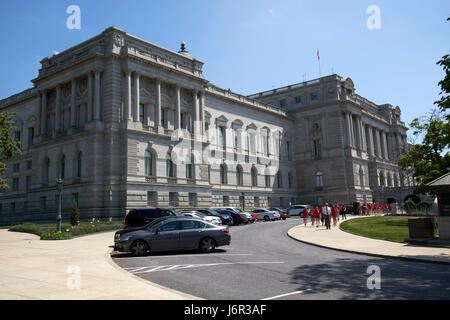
253,45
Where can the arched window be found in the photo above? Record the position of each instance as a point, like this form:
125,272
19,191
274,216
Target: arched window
279,180
361,177
319,179
223,174
254,177
189,167
79,161
148,164
267,180
169,166
46,171
381,177
239,176
290,180
62,167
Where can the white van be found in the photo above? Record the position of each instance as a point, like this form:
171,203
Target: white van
297,209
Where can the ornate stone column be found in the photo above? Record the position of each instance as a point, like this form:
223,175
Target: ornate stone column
90,97
177,107
44,113
97,101
137,100
202,112
371,141
58,109
158,104
378,143
385,149
128,114
73,104
196,113
363,135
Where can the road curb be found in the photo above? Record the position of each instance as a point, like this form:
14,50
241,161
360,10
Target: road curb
368,253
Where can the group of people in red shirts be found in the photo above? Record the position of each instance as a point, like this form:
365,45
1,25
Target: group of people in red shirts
370,209
320,216
332,213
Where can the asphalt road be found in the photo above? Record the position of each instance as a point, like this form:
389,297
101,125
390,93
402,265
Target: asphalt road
262,262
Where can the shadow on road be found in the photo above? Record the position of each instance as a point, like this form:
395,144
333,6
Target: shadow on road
399,279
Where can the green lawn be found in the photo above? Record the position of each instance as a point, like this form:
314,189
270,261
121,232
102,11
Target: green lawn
48,231
385,227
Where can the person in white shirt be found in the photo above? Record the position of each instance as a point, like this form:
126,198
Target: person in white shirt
327,213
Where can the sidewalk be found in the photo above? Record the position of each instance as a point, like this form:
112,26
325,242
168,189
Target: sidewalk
344,241
35,269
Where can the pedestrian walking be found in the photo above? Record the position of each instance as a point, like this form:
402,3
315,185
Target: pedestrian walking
326,214
334,214
320,215
305,216
343,212
363,208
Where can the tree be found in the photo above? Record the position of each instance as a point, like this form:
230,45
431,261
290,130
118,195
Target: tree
8,146
74,217
444,102
430,159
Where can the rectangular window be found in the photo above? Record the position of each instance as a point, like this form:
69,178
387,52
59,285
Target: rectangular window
141,113
29,164
43,203
192,199
222,137
183,120
173,199
283,103
314,96
28,183
317,149
16,167
298,99
288,150
226,201
13,208
151,199
25,207
17,138
30,136
163,118
15,184
256,201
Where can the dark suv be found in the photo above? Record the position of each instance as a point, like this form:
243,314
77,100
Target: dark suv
141,217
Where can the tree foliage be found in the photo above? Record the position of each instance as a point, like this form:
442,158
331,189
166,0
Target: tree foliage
8,146
430,159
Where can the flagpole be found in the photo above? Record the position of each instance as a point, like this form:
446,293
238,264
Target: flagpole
318,58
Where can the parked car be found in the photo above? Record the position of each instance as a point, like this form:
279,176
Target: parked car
184,233
283,213
237,210
202,216
126,230
238,218
142,216
267,215
297,209
224,216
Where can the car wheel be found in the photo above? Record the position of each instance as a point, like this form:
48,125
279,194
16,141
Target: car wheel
139,248
207,245
266,218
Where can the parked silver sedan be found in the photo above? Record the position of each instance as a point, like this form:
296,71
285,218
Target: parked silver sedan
267,215
174,234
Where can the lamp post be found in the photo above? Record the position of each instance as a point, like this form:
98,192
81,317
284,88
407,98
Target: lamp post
59,184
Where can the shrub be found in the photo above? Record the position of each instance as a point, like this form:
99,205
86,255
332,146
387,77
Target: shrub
74,217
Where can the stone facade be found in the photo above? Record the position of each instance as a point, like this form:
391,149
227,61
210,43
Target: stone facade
126,123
